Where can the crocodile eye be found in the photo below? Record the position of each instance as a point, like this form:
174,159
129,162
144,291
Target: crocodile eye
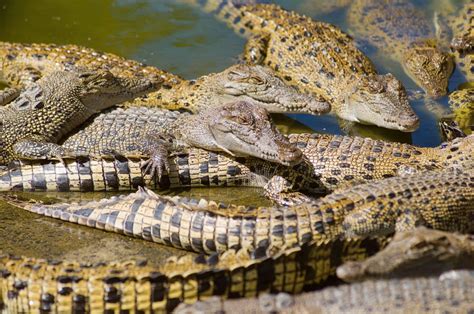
255,80
376,87
234,76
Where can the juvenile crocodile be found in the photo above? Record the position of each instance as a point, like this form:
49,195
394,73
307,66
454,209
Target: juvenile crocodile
23,63
460,111
404,33
320,59
46,111
239,129
461,102
441,200
450,130
32,285
331,161
415,253
462,31
449,293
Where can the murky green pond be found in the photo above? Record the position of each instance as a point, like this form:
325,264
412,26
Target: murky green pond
181,39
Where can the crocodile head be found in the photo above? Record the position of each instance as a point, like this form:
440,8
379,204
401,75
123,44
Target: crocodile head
101,89
239,129
380,100
412,253
259,85
429,68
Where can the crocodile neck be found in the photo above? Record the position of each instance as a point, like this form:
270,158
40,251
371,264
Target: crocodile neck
192,94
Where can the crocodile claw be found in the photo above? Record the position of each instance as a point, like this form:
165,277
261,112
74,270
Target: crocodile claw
155,165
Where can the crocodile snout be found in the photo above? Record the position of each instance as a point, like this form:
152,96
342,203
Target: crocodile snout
289,154
408,122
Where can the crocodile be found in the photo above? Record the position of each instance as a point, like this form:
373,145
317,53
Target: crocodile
355,160
34,285
460,111
461,103
462,27
450,130
21,64
239,129
438,199
320,59
437,251
404,33
32,124
329,162
449,293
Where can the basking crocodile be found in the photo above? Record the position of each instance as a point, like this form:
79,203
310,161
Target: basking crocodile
449,293
404,33
462,28
415,253
318,58
461,108
450,130
462,104
23,63
32,124
239,129
32,285
441,200
331,161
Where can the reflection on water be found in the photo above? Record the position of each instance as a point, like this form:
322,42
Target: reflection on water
181,39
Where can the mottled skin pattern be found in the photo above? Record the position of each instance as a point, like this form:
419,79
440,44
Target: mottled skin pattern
403,32
450,130
461,26
462,105
24,63
239,129
440,200
458,119
437,251
318,58
449,293
29,285
354,160
331,161
48,110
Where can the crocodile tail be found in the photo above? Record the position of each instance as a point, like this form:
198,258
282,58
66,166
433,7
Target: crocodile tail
61,286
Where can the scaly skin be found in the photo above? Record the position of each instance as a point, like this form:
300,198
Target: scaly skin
415,253
462,105
331,161
240,129
296,247
67,286
24,63
48,110
449,293
403,32
462,42
318,58
458,120
440,200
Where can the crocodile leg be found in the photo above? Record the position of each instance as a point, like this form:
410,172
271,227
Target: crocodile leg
32,149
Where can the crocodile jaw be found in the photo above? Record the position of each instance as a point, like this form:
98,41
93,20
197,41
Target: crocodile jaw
381,101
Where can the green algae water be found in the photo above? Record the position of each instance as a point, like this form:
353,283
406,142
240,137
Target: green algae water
181,39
